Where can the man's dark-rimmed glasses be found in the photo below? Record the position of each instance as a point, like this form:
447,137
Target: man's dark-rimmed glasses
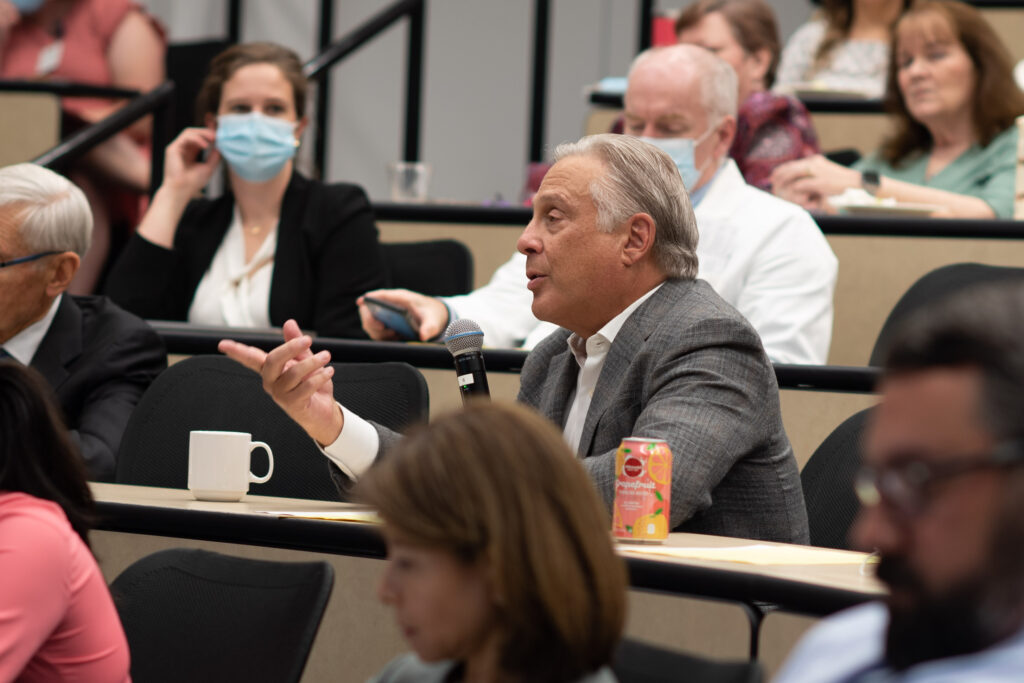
26,259
907,487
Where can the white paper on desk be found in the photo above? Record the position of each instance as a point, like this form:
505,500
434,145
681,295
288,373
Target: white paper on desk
753,554
361,516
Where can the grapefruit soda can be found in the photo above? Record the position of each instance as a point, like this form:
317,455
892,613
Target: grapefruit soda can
643,489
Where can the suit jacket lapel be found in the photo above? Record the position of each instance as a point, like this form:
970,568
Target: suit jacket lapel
62,343
631,337
561,378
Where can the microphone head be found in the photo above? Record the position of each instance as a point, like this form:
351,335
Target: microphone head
462,336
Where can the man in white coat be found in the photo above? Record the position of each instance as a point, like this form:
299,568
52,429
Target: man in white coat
763,255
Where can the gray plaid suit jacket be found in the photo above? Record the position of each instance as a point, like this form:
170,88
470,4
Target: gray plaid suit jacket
687,368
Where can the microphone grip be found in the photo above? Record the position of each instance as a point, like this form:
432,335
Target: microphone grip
472,375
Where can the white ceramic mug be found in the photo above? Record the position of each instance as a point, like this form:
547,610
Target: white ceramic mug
219,462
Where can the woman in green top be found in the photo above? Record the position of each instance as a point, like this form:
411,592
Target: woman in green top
954,100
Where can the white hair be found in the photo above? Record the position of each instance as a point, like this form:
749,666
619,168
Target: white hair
640,178
53,212
719,85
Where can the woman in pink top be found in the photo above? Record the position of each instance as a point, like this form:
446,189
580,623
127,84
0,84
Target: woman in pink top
57,620
98,42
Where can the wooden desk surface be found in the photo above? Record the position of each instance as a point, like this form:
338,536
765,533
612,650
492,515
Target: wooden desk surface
805,587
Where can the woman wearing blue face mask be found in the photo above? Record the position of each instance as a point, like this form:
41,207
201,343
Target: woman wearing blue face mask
276,245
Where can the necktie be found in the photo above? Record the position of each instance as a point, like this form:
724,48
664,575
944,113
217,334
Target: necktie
4,355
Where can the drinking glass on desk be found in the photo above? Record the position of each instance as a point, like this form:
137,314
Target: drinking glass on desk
409,181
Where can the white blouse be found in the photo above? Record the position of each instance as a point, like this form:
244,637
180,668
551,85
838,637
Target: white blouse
233,292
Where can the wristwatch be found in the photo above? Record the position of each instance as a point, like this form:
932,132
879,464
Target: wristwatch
871,182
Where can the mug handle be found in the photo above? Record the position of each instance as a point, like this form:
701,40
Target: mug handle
270,459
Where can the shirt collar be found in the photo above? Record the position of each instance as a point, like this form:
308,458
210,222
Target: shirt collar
697,195
578,345
23,346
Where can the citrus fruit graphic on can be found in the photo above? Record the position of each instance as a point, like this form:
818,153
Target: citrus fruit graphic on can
643,488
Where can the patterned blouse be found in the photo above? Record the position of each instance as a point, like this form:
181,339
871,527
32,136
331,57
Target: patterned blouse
771,129
853,65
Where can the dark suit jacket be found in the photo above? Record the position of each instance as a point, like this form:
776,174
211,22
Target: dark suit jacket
99,359
327,255
687,368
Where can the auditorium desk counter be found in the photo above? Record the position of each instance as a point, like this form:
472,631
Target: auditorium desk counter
806,580
694,604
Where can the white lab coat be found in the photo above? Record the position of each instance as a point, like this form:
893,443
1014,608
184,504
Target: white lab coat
765,256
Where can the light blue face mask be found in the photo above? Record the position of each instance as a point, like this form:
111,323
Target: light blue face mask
255,146
27,6
681,150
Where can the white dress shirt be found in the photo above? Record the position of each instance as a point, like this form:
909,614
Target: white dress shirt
356,446
234,292
23,346
850,646
590,354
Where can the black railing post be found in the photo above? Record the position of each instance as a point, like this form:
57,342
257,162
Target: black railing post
646,25
541,21
163,116
323,93
234,20
67,151
414,83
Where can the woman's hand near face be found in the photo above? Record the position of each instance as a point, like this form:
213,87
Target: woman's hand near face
810,181
184,169
185,174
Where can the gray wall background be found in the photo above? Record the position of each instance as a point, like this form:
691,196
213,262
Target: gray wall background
475,126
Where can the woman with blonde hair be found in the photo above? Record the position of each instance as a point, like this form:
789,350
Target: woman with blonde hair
501,566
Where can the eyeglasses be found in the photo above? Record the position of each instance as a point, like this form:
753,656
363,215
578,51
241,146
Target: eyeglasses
26,259
907,488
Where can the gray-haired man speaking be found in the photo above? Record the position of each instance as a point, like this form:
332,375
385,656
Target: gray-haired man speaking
644,349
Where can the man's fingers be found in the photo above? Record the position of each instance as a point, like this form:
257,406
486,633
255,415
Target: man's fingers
283,384
311,384
246,355
291,330
294,349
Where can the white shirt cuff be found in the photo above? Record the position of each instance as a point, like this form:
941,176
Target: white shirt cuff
356,447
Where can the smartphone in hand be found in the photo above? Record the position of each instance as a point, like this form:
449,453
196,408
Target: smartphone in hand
394,317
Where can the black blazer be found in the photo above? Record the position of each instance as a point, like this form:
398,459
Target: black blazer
99,359
327,255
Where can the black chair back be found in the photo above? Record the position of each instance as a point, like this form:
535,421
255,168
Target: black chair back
637,662
437,268
827,481
194,615
937,284
216,393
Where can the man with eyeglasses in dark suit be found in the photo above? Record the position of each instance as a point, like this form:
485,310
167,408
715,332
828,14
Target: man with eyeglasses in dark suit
98,358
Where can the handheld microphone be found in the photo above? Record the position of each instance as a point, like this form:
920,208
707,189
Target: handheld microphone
464,339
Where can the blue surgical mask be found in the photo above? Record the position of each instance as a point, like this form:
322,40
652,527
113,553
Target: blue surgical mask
27,6
681,150
255,146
